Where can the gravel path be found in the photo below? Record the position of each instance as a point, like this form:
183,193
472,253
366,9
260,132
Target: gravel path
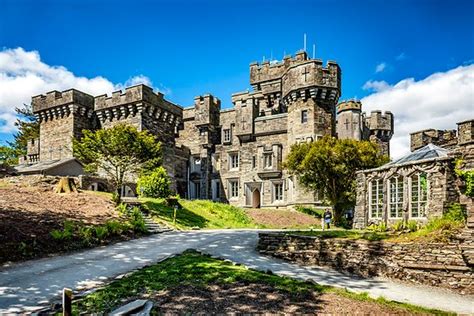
25,286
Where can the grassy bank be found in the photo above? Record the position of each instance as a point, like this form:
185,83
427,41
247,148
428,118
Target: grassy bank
199,214
192,269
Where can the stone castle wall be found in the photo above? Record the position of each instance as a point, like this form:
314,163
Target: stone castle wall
439,265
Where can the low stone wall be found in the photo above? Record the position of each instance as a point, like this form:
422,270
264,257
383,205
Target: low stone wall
432,264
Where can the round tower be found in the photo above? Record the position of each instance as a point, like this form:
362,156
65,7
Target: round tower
349,120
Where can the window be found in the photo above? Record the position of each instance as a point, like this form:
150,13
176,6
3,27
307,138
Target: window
197,190
396,197
376,199
304,116
196,164
233,188
267,159
234,161
254,162
419,192
227,136
202,132
278,192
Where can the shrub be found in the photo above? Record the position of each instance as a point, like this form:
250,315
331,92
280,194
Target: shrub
86,234
101,232
381,227
114,227
412,226
137,221
398,226
455,213
155,184
66,233
122,209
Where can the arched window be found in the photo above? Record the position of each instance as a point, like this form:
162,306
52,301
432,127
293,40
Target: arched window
418,193
376,198
395,197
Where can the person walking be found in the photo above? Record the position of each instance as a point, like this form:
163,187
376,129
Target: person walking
327,218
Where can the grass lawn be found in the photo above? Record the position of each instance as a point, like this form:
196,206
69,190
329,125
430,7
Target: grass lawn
199,214
205,275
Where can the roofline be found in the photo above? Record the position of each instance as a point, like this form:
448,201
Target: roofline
416,162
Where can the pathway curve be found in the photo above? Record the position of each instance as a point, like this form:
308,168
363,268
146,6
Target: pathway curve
31,284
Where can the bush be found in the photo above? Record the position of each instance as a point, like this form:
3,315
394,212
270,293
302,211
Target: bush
137,221
114,227
381,227
155,184
101,232
412,225
455,213
399,226
86,234
66,233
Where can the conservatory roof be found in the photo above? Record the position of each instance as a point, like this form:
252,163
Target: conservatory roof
427,152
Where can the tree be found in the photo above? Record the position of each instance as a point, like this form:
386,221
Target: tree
155,184
119,151
329,167
28,128
7,156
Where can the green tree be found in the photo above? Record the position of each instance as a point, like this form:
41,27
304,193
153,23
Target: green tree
328,166
28,128
155,184
119,151
7,156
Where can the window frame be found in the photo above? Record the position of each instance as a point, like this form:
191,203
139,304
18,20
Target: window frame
227,137
304,116
379,197
419,203
278,194
396,203
234,164
233,191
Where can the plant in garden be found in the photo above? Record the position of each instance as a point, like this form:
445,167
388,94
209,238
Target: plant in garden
155,184
119,151
329,165
101,232
465,175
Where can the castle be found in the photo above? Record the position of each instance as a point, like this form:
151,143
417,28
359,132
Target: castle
232,155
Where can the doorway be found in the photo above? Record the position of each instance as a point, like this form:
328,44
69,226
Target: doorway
256,198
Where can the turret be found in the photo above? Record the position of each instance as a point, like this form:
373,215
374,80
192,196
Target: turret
349,120
62,117
378,128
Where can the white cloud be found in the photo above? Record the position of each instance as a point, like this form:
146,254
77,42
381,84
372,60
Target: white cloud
401,56
23,75
438,101
380,67
376,86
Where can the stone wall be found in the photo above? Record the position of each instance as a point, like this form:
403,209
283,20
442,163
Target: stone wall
440,265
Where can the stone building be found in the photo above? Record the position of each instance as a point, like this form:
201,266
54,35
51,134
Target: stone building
232,155
421,184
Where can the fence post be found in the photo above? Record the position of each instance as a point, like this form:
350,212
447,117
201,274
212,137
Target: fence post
67,302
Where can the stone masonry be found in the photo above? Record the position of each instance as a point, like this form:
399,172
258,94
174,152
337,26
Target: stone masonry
435,264
230,155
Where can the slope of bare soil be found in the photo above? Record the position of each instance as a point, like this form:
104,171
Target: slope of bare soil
30,210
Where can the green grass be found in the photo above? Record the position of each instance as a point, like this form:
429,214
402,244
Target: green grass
316,212
344,233
192,268
99,193
199,214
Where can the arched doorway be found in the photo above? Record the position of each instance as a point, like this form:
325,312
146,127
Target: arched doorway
256,198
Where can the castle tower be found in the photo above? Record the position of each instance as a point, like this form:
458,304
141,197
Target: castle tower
62,117
305,89
349,120
378,128
141,107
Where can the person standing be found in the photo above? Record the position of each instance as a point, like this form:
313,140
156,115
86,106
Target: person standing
327,218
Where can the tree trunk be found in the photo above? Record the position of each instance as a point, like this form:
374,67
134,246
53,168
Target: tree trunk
65,185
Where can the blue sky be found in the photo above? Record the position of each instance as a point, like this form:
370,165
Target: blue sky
187,48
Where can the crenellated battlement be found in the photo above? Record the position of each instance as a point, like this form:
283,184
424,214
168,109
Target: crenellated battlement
441,138
379,121
55,99
346,105
294,73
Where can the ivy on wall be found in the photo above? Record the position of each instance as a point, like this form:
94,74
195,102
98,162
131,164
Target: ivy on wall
467,176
